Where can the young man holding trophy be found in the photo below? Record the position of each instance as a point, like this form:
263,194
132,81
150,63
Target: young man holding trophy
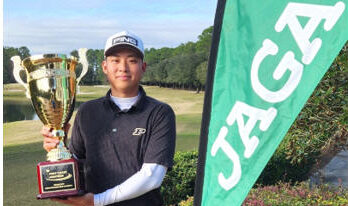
126,140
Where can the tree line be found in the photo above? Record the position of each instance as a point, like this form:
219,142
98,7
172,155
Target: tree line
183,67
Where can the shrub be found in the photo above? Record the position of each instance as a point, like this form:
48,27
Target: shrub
188,202
287,195
298,194
280,168
320,128
179,183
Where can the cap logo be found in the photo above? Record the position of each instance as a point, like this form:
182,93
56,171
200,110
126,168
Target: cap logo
124,39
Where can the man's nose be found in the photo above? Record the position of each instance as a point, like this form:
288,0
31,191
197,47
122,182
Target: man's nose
123,66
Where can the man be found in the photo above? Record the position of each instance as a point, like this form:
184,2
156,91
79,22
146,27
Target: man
125,139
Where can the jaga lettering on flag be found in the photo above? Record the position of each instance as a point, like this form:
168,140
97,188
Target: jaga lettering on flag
266,59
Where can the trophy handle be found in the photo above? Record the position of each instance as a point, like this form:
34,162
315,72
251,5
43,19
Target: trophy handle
84,62
16,70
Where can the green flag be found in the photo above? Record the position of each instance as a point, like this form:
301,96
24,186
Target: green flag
266,59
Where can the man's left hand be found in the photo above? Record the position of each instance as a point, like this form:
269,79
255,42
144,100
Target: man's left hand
85,200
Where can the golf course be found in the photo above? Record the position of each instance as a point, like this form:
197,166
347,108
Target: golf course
23,142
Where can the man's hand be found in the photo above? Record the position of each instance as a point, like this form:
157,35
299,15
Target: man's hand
85,200
51,142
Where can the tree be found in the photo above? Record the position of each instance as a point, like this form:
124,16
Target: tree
179,67
94,75
78,68
201,75
100,76
23,52
204,41
9,52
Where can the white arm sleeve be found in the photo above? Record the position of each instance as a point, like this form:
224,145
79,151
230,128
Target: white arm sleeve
149,177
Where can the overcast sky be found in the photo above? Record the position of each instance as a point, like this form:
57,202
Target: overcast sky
47,26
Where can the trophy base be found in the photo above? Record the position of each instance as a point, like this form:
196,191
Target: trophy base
58,179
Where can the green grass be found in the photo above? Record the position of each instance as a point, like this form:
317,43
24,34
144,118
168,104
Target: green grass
20,179
188,130
23,142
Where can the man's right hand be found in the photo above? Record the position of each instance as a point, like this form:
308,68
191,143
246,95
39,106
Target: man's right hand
51,142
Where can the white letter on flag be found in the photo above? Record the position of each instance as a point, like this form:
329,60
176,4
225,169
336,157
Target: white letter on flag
302,35
220,142
239,109
287,62
264,116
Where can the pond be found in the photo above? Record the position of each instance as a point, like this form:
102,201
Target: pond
21,110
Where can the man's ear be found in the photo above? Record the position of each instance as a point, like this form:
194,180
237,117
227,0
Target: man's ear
103,64
143,67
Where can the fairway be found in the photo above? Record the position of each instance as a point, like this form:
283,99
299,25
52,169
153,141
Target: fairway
23,142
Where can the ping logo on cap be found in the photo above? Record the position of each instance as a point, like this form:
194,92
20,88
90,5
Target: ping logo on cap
124,39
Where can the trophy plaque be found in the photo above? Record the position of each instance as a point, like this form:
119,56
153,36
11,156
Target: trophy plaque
51,86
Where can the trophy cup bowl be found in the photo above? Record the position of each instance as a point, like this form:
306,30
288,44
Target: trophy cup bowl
51,86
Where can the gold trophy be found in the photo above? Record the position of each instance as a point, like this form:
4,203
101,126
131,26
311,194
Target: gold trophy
51,86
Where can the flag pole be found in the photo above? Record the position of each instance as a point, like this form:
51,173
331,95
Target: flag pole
207,101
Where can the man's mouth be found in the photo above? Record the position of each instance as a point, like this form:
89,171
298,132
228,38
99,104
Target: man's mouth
123,77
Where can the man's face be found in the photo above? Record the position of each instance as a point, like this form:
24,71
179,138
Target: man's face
124,69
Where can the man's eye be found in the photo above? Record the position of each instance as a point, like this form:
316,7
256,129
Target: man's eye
133,60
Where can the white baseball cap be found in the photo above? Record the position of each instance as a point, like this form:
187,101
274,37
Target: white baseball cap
124,39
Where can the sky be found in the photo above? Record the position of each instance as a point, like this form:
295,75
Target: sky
47,26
